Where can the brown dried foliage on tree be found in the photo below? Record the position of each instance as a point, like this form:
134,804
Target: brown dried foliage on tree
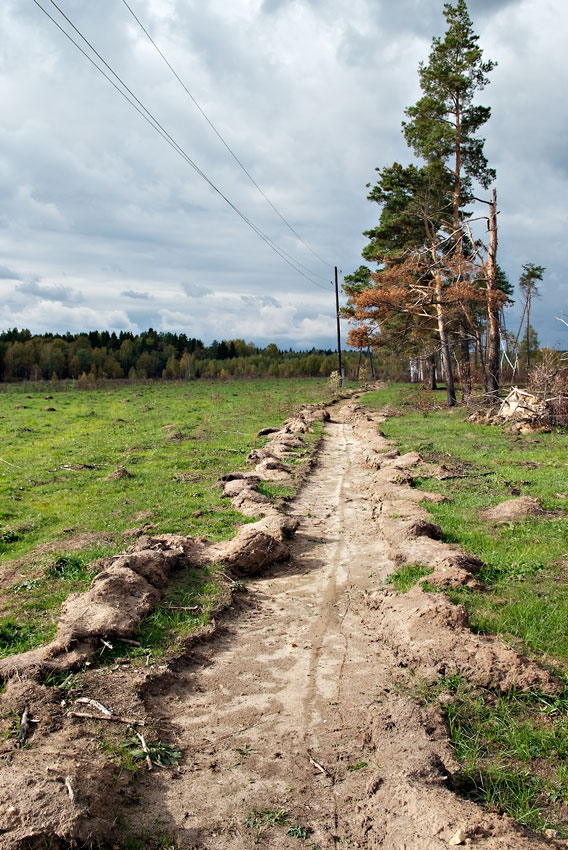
407,289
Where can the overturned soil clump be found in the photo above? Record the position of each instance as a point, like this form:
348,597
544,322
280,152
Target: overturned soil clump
430,636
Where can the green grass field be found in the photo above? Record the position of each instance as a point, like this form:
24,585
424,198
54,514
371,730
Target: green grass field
512,748
61,508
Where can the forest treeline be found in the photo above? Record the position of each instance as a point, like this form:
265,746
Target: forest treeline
152,354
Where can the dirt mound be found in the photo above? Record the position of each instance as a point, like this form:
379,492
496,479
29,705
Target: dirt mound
406,461
272,469
302,422
59,801
255,546
430,635
280,447
175,436
265,432
252,503
235,486
242,490
514,510
119,472
454,569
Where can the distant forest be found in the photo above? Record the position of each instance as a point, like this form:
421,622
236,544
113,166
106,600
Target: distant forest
152,355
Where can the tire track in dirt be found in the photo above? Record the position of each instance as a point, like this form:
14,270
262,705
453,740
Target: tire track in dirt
294,704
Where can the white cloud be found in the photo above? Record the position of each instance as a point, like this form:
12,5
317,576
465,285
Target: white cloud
46,315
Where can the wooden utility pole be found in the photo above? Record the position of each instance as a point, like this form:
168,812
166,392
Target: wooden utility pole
339,365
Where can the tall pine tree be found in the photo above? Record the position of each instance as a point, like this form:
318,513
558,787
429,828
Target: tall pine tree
441,129
444,122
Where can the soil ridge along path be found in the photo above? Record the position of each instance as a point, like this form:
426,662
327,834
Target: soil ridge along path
293,719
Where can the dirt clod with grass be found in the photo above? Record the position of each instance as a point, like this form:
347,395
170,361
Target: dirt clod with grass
294,715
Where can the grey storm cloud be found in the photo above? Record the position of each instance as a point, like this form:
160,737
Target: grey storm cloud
310,95
193,290
132,293
261,300
50,292
8,274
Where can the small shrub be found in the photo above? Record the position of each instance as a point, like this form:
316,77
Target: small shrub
334,383
165,755
359,766
299,831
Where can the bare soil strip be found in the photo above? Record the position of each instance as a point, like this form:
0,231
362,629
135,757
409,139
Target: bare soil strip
298,706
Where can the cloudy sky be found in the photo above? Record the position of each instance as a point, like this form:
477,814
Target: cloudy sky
104,225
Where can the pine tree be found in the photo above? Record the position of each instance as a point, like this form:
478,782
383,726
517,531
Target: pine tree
528,281
427,276
442,130
444,122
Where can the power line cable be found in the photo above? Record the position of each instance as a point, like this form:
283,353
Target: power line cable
155,124
281,251
224,142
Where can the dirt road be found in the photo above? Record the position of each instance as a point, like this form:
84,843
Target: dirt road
294,719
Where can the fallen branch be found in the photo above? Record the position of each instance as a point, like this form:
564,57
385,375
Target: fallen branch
229,579
320,767
144,748
183,607
24,728
115,718
94,704
69,786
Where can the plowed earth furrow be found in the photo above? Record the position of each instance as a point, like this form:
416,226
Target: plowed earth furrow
294,705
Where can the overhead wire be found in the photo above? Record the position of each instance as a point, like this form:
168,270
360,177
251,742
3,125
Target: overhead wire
224,142
158,127
292,261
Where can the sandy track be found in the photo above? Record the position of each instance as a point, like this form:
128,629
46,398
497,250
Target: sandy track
294,704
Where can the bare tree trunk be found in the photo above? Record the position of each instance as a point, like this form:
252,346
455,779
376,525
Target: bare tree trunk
372,364
492,365
444,344
465,362
529,296
432,375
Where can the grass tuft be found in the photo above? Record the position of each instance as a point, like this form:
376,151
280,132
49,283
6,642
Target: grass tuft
407,576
